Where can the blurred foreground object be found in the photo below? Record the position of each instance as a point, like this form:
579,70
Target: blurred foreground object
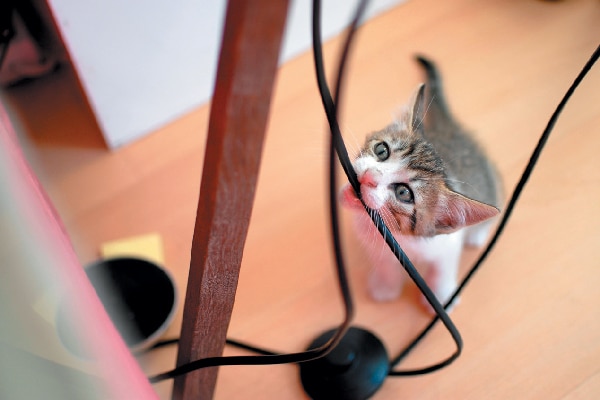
39,271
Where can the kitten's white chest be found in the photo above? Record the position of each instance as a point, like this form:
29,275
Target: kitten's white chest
421,250
436,258
427,250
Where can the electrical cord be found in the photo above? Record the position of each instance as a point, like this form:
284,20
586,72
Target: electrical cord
230,342
331,108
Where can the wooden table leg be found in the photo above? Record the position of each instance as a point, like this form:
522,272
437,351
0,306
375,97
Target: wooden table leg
238,119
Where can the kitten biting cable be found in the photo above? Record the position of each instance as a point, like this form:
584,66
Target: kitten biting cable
433,186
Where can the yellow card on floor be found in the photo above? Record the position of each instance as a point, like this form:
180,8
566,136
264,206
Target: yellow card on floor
149,247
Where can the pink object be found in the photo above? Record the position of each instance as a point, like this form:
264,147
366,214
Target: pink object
38,257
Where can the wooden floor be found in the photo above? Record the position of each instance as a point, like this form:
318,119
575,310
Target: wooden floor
529,319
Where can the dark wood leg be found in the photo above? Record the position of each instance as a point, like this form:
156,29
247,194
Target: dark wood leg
238,119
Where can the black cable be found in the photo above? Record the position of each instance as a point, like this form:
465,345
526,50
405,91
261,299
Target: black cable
330,111
230,342
507,213
249,347
329,105
335,143
331,108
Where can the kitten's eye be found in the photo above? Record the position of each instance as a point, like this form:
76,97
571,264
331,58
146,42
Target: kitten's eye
382,151
403,193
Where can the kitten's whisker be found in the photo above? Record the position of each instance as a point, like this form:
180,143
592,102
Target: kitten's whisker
379,240
375,236
390,221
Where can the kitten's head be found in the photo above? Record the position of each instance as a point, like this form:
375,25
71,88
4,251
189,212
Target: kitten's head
403,178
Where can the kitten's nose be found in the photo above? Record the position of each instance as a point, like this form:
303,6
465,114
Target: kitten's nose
368,178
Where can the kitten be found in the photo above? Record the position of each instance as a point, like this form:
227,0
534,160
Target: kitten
434,188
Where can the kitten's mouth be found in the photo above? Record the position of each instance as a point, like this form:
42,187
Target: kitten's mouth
349,199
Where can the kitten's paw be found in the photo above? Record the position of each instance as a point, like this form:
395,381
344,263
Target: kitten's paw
383,294
348,198
443,289
476,239
384,288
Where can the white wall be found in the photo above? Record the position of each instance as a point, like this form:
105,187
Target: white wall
144,63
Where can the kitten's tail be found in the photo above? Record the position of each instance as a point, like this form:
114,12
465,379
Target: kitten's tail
437,108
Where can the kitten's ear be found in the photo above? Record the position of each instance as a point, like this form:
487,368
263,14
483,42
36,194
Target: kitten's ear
457,211
417,109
